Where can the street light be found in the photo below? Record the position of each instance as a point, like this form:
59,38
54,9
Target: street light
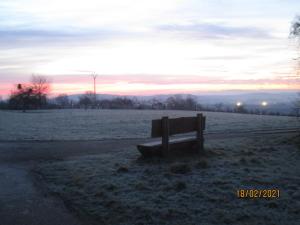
238,104
264,105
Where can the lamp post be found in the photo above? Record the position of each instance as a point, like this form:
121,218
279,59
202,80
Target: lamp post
238,104
264,105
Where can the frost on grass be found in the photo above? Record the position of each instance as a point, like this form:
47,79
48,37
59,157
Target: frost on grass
180,168
79,124
119,189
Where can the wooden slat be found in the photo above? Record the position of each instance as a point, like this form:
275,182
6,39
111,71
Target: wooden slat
176,126
188,144
183,125
172,141
156,130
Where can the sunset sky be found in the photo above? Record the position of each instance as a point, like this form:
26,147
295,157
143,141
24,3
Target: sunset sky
143,47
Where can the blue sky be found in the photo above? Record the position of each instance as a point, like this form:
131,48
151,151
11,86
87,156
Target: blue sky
141,47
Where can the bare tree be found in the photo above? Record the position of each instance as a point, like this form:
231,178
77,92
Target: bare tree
30,96
3,104
179,103
23,98
295,28
41,87
40,84
62,100
87,99
295,32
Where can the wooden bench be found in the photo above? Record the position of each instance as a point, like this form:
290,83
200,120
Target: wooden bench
165,127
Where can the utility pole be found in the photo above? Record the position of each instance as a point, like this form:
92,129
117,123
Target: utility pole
94,76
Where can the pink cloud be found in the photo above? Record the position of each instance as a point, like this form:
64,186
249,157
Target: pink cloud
154,84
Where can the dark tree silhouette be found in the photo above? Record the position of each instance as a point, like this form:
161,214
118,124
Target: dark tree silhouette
87,99
41,88
117,103
240,109
62,100
23,98
3,103
180,103
295,32
30,96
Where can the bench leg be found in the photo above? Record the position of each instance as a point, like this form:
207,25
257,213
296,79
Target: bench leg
165,136
200,138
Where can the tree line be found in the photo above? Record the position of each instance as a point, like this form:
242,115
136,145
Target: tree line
35,95
88,101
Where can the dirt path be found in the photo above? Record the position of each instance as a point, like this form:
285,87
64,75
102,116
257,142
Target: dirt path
22,202
35,151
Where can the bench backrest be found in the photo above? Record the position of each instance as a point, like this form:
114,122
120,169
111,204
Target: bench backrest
178,125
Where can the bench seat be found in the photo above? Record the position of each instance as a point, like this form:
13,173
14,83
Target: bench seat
176,145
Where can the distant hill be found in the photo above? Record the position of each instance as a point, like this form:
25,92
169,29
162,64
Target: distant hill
99,96
277,102
249,98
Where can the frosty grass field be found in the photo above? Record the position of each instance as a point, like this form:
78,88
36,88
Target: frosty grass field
116,187
117,124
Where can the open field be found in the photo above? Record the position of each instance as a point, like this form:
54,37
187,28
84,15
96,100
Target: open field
118,124
88,159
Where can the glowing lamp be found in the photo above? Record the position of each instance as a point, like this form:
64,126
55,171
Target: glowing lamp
238,104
